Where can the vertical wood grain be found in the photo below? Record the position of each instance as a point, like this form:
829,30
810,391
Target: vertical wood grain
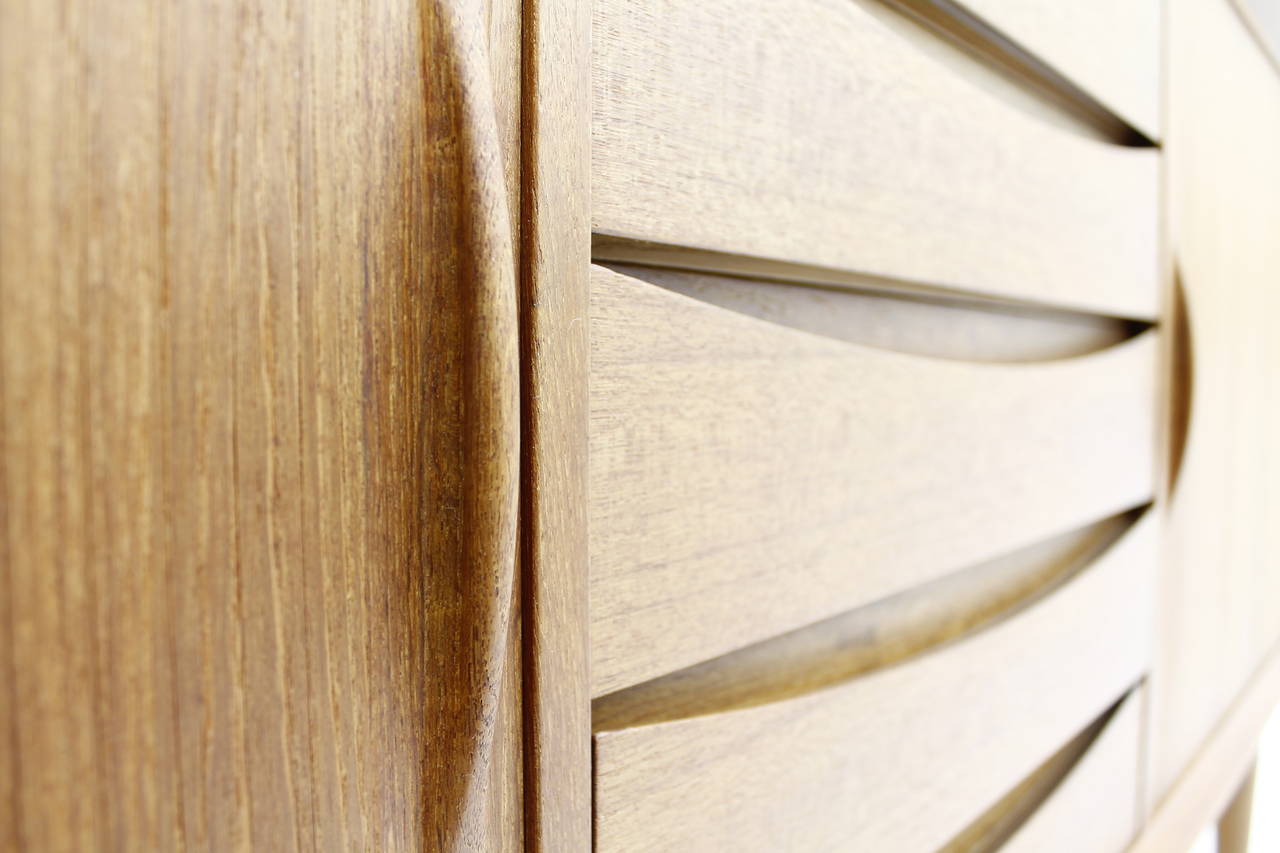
259,395
556,258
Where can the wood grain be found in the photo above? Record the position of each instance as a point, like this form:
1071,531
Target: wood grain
747,479
1220,598
554,375
259,427
1111,50
968,330
1041,87
901,759
891,163
878,635
989,831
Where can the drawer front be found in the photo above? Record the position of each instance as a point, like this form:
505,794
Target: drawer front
1110,50
902,759
1095,806
811,132
747,479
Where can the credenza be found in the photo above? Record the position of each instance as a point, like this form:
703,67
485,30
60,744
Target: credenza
620,425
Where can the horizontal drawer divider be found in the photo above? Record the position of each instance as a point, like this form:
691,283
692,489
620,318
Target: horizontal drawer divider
886,633
928,324
904,758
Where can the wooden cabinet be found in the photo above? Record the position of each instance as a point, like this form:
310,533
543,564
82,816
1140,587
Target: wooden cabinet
623,425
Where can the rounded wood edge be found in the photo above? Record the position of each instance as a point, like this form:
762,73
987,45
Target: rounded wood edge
479,650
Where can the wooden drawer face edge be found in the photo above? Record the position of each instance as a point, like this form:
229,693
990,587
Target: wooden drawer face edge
748,479
902,759
811,132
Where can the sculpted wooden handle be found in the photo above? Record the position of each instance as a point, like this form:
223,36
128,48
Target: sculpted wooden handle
471,654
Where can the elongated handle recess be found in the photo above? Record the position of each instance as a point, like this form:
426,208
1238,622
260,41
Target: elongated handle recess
473,654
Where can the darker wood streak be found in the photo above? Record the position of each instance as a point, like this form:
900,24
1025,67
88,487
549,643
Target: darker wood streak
885,633
259,416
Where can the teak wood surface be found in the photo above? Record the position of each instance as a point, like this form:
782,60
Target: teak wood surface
747,479
345,505
883,762
825,136
258,361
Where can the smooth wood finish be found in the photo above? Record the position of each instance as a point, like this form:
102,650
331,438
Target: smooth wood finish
998,822
1221,596
901,759
935,327
747,479
1096,806
1064,787
1043,88
866,638
890,163
1207,782
259,425
1112,50
554,373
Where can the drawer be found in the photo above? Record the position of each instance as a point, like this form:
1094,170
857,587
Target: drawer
901,759
810,132
1109,50
1095,806
747,479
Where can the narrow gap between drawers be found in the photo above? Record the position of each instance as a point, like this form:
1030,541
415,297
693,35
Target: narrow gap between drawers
613,249
1048,90
882,634
998,824
933,326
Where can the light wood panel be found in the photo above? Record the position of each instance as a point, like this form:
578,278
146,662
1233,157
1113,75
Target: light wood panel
1206,784
866,638
259,425
1221,595
747,479
1095,807
935,327
554,373
998,822
1109,49
891,163
1057,793
901,759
